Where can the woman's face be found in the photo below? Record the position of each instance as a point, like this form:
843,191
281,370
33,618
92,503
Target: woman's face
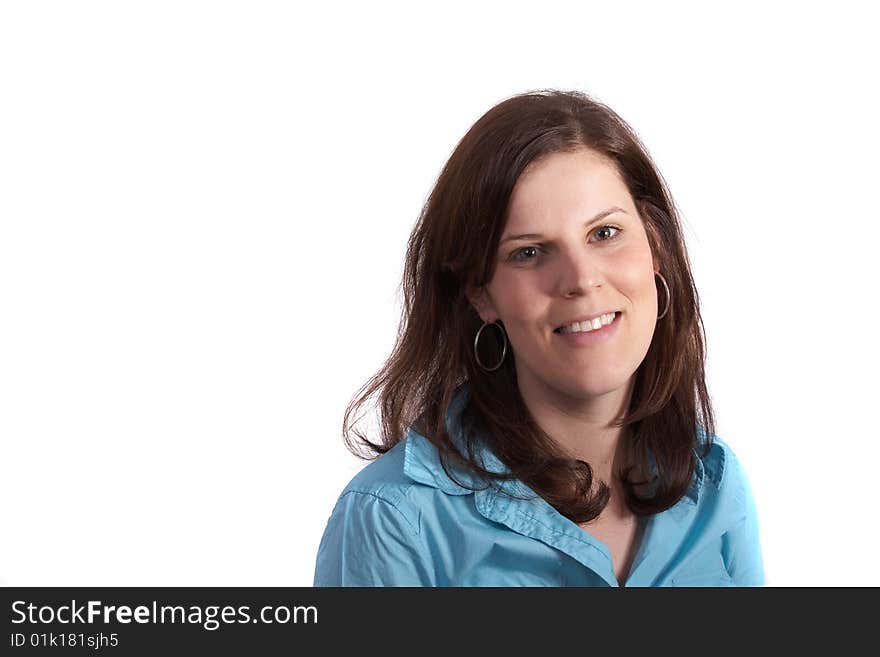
585,252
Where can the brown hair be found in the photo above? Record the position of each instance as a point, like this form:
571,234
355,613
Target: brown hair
454,243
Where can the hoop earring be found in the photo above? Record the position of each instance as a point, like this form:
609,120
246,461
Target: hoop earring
668,295
503,347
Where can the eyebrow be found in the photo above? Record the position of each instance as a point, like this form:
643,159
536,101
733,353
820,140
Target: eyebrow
533,236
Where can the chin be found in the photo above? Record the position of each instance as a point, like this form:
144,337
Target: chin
597,386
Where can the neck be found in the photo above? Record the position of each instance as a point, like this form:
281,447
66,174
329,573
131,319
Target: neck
582,427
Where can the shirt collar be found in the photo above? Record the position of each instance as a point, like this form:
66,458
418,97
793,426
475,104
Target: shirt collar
422,461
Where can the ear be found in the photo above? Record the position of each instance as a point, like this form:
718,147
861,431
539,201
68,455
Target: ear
479,298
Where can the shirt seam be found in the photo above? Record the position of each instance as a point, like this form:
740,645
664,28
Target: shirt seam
739,492
559,532
392,504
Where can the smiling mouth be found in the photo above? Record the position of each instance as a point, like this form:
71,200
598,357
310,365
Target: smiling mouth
588,326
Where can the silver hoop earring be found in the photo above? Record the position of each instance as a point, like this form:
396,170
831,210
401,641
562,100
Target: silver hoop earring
668,295
503,347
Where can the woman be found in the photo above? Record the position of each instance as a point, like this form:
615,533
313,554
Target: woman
545,415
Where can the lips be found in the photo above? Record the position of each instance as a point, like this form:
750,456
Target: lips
588,339
585,318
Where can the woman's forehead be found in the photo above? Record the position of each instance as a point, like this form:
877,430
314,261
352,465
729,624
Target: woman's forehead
577,184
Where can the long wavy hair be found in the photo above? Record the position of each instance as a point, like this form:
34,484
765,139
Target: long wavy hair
669,415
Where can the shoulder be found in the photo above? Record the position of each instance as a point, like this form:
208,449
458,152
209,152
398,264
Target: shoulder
405,486
373,536
382,484
384,476
729,509
723,473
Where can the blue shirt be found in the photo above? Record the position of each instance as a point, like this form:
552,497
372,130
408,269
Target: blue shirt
402,521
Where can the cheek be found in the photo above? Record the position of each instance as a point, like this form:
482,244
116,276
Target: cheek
518,300
647,288
634,276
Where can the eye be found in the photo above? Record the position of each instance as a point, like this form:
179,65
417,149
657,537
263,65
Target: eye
515,256
604,230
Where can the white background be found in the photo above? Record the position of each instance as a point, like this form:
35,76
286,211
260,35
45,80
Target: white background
205,207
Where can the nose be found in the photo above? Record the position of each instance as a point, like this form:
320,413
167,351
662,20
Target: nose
578,272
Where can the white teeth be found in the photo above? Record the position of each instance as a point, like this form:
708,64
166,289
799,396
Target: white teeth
589,325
